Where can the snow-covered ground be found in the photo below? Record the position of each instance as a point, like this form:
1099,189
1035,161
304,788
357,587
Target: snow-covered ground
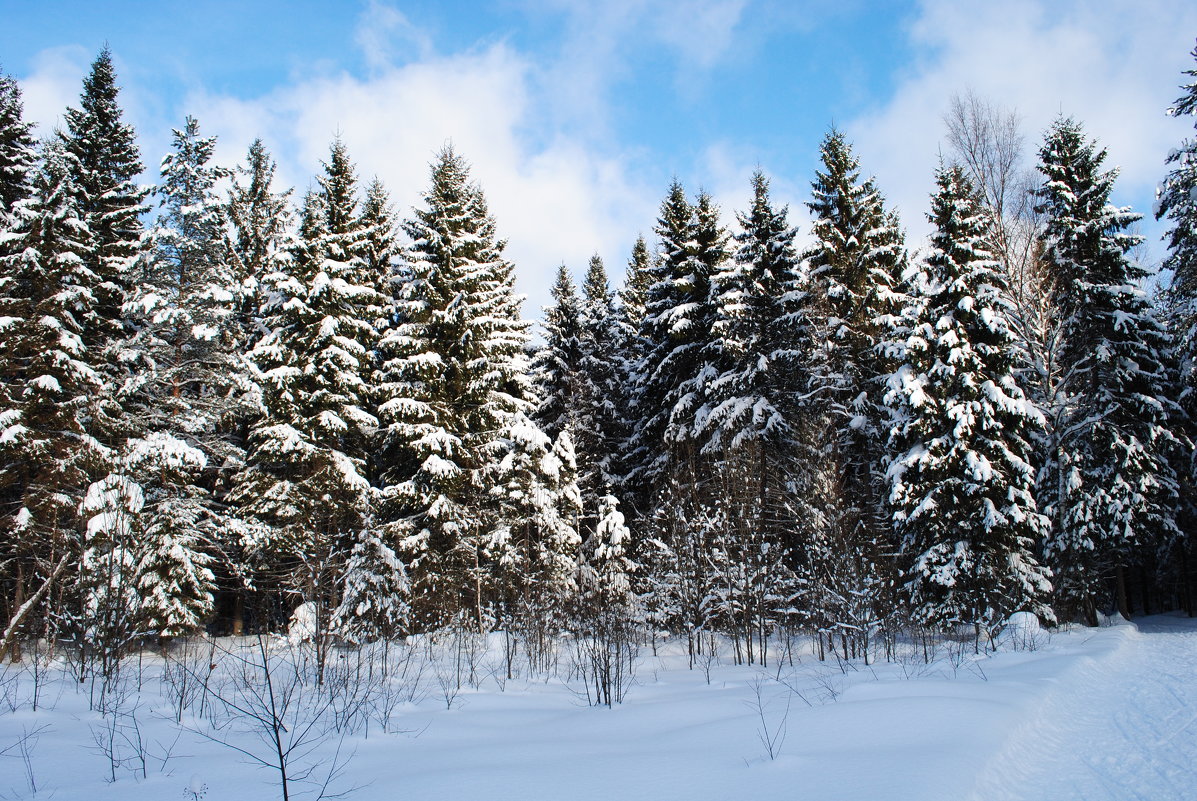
1091,714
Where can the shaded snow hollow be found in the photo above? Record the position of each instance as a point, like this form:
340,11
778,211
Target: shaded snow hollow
1090,714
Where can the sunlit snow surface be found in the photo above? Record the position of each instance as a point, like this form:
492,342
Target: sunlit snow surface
1093,714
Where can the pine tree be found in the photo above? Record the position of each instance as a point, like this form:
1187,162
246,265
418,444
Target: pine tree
455,377
1107,483
962,481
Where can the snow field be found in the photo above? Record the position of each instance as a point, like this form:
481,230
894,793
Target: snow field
1090,714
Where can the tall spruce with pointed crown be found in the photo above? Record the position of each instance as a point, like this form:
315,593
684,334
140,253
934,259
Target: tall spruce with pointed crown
558,363
676,329
604,426
1107,483
106,162
47,454
188,390
633,348
961,475
259,219
18,150
307,456
1177,202
749,424
854,270
18,162
455,377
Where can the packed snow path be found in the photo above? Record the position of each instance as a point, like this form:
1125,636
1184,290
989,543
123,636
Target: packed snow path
1120,726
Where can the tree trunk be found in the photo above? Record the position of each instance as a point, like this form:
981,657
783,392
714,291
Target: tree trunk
1120,591
9,639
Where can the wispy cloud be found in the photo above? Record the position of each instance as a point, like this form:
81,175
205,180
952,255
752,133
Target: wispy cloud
1113,66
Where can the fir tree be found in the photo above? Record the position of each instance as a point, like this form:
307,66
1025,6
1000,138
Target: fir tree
962,482
1107,483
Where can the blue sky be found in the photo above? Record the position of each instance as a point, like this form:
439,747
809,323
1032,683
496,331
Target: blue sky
576,115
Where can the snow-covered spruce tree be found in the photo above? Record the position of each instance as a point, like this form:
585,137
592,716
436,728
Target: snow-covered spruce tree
677,336
1177,201
854,271
455,377
18,150
604,424
668,339
633,348
608,612
375,596
47,454
557,367
534,543
258,245
18,161
1106,482
749,422
578,380
962,482
106,162
188,388
307,452
258,221
175,528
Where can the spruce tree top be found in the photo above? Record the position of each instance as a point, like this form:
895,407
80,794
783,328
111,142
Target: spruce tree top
18,153
1178,202
97,136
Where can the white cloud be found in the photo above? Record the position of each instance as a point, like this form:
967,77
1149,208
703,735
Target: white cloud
386,36
555,198
1113,66
54,84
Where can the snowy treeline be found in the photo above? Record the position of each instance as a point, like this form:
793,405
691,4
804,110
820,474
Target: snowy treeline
221,403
